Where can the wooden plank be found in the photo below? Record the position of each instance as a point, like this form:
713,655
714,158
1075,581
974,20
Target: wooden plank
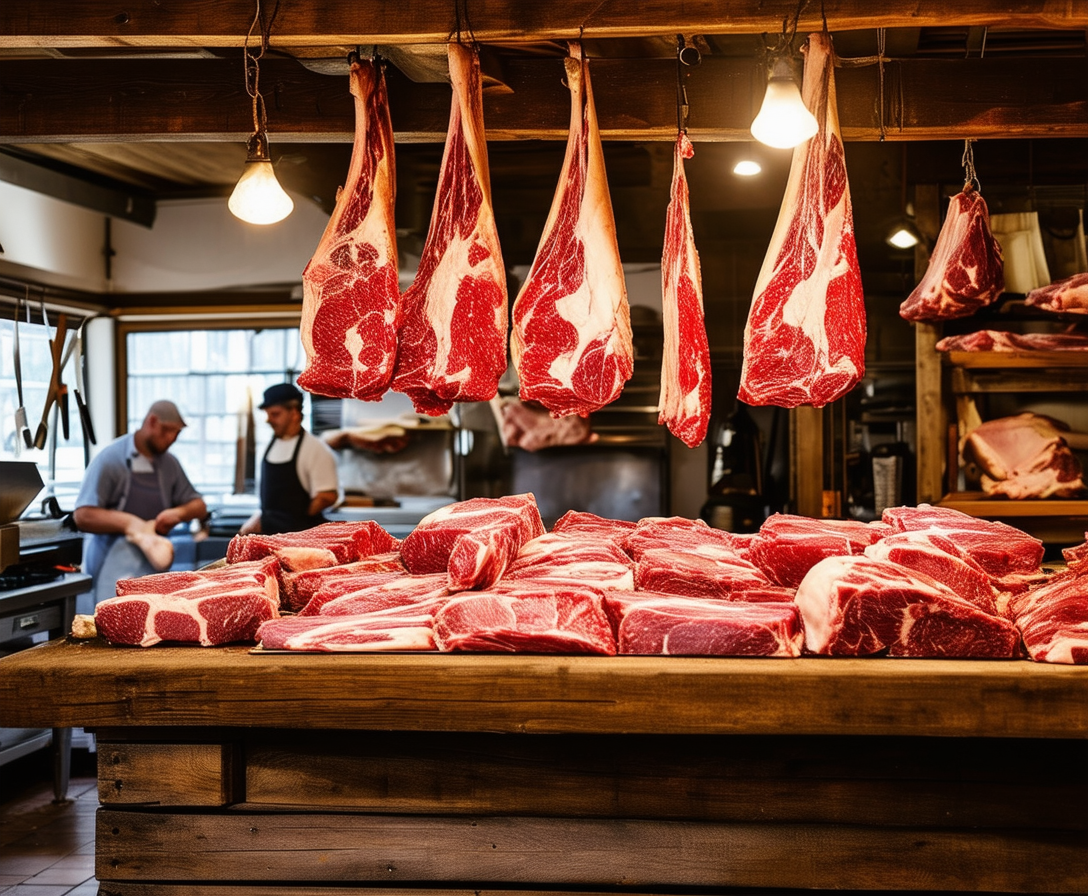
807,460
1005,360
111,100
126,888
314,847
206,23
929,414
950,782
981,505
90,684
1018,379
166,774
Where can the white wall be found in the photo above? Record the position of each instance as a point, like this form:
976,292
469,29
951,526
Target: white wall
199,245
52,241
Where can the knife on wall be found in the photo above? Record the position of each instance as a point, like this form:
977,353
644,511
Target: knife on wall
21,425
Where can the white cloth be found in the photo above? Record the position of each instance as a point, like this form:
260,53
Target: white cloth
316,465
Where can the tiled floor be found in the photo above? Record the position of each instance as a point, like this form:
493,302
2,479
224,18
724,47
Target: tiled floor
47,850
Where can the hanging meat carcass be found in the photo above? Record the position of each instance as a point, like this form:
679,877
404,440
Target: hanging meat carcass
351,296
452,339
804,342
685,360
965,272
571,340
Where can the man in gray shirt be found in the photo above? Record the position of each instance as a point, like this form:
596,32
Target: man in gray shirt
133,493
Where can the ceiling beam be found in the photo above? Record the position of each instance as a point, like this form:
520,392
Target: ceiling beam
214,23
52,101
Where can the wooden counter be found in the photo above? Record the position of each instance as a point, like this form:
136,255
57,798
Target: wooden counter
222,771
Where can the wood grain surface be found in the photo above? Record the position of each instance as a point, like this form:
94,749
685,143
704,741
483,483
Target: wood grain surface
90,684
392,849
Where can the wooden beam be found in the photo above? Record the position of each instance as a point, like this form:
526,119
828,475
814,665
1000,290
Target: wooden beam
49,101
212,23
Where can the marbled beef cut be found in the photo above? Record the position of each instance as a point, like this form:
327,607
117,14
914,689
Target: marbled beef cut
966,271
684,405
1069,295
857,606
452,339
531,619
571,339
473,541
804,342
351,295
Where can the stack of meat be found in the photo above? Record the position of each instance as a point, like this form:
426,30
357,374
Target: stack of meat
482,575
1053,618
1025,456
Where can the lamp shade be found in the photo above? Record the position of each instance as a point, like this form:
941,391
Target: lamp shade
783,121
258,197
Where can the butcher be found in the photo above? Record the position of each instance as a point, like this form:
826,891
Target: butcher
133,493
299,479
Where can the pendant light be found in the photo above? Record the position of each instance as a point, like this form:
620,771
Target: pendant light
783,121
258,197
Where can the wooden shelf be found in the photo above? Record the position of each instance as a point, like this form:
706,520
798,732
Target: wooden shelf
982,505
1006,360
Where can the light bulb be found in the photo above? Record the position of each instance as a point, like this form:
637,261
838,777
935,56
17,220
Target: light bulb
747,168
783,121
903,238
258,197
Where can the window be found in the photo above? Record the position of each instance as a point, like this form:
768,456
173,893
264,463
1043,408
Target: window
210,375
62,461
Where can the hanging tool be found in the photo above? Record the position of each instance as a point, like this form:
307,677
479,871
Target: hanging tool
80,391
21,425
56,346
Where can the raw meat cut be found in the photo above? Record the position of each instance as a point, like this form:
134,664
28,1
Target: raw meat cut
1053,620
788,546
695,575
350,634
804,342
299,587
1024,457
347,541
452,337
856,606
257,573
1002,341
353,584
685,359
1010,557
571,340
582,523
677,533
401,591
965,271
937,556
350,291
473,540
1076,557
573,560
663,624
532,620
206,615
305,559
1069,295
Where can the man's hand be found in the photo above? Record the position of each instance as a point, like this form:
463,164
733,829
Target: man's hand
167,520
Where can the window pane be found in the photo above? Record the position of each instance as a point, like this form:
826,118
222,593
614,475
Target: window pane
207,373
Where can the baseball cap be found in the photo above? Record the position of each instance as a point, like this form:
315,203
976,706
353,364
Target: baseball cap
167,412
281,393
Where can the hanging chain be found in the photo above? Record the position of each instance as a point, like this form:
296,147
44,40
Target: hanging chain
681,90
253,71
968,162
